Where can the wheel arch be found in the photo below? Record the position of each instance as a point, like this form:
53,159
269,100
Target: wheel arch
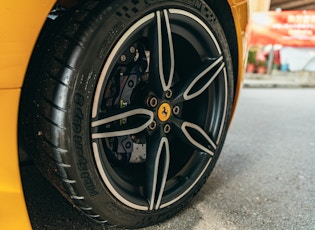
234,30
224,14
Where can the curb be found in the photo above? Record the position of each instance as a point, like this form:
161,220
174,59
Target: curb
280,80
275,84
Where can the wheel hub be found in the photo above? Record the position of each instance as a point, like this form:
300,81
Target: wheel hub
164,112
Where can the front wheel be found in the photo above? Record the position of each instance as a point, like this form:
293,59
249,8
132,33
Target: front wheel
131,106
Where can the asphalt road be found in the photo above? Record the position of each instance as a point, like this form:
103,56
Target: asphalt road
264,179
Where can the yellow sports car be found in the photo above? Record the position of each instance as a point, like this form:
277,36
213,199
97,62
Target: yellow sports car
124,105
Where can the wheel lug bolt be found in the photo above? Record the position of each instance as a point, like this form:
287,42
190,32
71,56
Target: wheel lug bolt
123,58
169,94
176,110
152,126
167,128
152,102
132,49
145,77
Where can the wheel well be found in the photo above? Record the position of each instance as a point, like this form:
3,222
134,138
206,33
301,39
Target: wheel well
224,14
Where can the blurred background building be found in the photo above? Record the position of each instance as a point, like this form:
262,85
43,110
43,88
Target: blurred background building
292,4
265,5
281,37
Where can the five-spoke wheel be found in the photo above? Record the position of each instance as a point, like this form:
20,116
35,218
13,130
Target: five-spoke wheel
130,106
165,102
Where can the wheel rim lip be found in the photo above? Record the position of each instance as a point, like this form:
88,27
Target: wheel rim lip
105,174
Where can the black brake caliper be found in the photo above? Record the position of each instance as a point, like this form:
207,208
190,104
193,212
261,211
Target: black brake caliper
128,73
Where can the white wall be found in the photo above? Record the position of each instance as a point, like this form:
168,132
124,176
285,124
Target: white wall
259,5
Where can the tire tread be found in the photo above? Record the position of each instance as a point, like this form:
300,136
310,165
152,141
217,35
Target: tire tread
51,79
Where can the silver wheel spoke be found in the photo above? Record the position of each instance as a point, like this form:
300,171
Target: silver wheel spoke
200,81
157,168
145,119
197,137
165,44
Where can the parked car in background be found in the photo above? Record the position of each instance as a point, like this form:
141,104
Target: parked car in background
123,105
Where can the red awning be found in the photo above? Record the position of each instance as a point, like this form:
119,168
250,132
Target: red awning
287,28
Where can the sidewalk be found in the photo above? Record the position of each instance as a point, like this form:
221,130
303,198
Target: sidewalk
280,79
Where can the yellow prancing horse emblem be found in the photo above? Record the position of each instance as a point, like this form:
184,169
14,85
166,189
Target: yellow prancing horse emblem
164,112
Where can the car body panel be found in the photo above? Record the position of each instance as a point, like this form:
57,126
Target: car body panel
13,213
239,10
20,24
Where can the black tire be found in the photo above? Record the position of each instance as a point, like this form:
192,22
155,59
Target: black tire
127,104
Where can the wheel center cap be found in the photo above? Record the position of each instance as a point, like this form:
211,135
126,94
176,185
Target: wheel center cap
164,112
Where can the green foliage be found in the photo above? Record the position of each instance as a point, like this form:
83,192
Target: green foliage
252,54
